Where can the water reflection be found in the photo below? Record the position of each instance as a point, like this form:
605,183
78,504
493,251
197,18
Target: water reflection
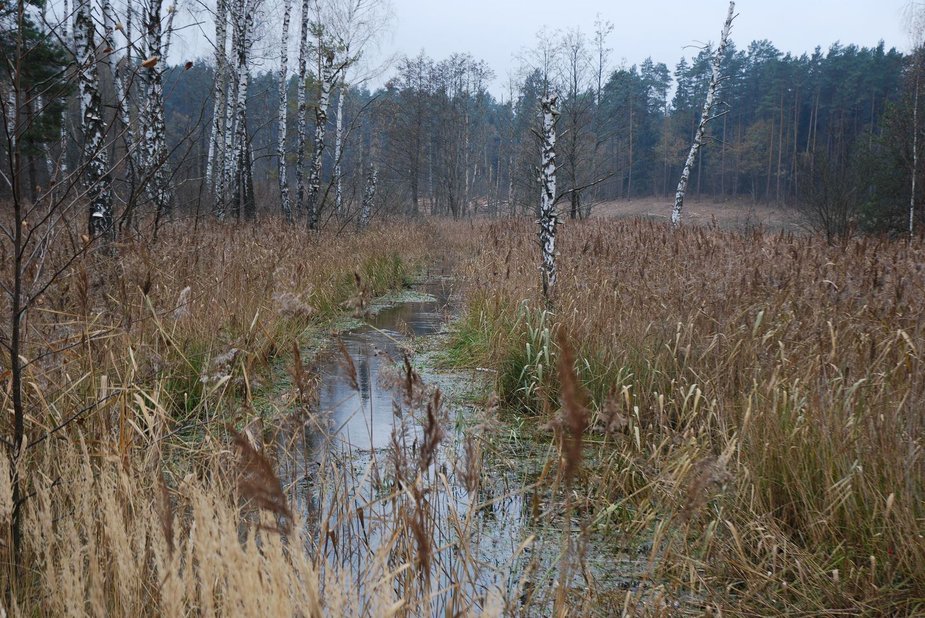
343,465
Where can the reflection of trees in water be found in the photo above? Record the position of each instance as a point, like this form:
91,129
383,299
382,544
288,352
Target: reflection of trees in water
363,376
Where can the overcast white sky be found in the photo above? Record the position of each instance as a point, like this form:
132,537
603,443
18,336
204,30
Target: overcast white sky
498,30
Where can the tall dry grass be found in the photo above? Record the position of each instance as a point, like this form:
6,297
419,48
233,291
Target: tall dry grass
140,498
755,425
758,401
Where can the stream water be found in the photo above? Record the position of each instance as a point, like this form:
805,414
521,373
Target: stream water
355,471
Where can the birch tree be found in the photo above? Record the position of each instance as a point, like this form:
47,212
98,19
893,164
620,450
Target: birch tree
705,118
915,16
325,84
96,159
369,195
339,151
548,217
915,148
124,90
283,111
154,156
302,107
215,163
354,27
65,138
243,22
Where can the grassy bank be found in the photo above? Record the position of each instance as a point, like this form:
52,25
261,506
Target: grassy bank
139,500
757,402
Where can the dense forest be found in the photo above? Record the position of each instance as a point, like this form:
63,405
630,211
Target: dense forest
438,140
445,144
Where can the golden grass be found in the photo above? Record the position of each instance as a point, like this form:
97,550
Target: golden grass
755,415
761,398
139,500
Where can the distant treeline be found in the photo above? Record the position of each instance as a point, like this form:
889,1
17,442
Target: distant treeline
443,142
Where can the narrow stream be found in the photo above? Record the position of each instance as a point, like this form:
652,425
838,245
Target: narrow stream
351,466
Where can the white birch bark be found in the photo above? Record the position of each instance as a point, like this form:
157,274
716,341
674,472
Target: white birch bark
96,159
69,46
548,217
321,123
230,133
302,104
915,154
243,36
283,112
705,118
338,152
215,163
122,89
121,93
369,196
154,138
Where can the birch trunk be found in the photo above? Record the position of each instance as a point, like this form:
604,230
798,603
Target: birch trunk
215,164
302,104
243,25
548,217
338,152
121,93
369,196
283,111
229,168
69,46
155,129
704,119
96,159
321,122
915,155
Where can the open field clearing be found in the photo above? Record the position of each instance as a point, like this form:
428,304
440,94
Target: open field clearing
736,214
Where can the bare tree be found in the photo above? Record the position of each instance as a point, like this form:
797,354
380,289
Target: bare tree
705,118
577,114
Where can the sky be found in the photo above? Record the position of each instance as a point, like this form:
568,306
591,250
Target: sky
499,31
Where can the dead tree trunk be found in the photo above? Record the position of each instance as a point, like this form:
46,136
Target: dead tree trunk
548,217
705,118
